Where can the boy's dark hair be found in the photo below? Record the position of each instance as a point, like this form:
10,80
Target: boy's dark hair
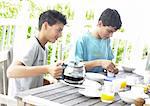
110,17
52,17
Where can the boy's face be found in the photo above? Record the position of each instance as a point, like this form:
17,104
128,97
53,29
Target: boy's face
54,32
106,32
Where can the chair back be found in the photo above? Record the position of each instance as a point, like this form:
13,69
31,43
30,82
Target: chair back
8,101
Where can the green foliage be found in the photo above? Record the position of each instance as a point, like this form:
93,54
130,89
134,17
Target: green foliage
68,38
9,10
88,26
66,10
35,9
89,15
1,29
121,49
12,34
49,52
66,53
29,32
5,30
121,29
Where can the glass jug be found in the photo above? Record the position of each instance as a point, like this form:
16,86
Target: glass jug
73,72
107,94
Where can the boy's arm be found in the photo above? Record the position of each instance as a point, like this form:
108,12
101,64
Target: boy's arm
19,70
91,64
106,64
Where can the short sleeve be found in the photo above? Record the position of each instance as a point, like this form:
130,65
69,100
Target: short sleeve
29,57
29,54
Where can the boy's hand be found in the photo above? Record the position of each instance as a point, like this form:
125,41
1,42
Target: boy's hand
109,66
55,70
116,70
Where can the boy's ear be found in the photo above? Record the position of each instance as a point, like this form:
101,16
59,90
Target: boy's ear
45,25
100,23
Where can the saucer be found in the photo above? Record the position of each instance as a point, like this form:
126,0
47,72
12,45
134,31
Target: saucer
73,85
95,76
92,93
86,83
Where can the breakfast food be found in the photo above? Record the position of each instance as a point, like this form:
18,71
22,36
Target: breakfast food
139,102
123,84
147,88
107,97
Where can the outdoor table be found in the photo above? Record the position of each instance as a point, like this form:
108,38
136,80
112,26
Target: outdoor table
68,95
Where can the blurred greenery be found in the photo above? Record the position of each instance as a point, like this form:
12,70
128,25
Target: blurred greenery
121,49
8,9
11,10
66,10
1,28
35,9
29,32
121,29
89,15
49,52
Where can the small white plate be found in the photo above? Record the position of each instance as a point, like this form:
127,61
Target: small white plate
92,93
132,80
128,68
95,76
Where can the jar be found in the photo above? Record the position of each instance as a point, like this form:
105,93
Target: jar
107,94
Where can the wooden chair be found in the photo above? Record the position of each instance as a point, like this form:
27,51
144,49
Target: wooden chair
5,61
8,101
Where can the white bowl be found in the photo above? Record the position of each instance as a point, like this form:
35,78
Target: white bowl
130,96
92,84
128,68
126,97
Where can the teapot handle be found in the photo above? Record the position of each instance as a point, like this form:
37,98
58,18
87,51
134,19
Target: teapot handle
64,66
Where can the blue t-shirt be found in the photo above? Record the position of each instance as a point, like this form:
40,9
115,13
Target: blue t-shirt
88,47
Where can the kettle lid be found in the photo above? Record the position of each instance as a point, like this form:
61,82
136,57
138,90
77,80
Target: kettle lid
75,64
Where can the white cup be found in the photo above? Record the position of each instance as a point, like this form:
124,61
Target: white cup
110,74
107,94
147,77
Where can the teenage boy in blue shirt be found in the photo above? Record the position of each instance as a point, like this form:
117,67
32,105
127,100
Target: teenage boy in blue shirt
93,47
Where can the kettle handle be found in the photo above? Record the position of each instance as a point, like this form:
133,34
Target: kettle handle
64,66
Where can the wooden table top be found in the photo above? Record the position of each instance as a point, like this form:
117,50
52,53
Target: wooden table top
69,96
